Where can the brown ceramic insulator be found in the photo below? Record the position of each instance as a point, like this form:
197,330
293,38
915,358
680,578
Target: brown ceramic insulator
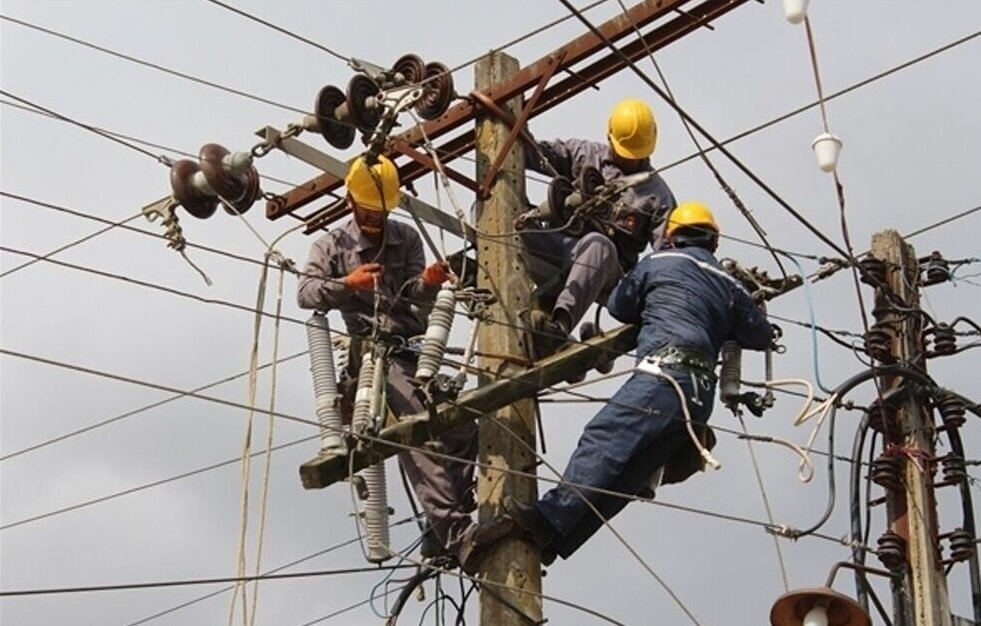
438,91
892,550
961,545
337,133
952,410
559,190
873,271
251,192
791,608
359,91
954,469
211,158
886,471
878,344
411,67
193,201
936,269
589,181
944,340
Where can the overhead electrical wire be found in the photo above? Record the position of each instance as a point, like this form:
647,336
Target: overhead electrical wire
190,582
156,66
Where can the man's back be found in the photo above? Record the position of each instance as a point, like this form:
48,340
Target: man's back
683,298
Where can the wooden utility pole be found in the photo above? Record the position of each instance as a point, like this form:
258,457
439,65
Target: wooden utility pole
512,562
913,511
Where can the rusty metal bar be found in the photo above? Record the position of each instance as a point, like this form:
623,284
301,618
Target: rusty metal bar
401,147
568,87
578,49
517,127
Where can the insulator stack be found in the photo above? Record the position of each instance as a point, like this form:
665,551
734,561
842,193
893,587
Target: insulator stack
437,333
219,176
873,271
325,385
361,419
887,471
944,339
439,91
892,550
961,545
955,470
730,373
879,416
375,513
952,410
935,269
878,343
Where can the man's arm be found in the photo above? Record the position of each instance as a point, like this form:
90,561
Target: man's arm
751,330
627,299
318,287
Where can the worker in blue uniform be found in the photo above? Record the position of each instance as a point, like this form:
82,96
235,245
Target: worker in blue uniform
572,272
686,306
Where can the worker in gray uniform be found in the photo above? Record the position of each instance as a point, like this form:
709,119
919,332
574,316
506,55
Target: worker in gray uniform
573,272
373,270
686,306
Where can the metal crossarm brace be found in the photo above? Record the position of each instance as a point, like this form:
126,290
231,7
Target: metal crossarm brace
514,384
576,51
518,126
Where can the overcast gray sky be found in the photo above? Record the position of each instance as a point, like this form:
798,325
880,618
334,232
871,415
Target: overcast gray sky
910,159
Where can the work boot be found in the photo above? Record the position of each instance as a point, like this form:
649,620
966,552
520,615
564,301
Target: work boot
548,335
431,547
604,361
476,540
529,519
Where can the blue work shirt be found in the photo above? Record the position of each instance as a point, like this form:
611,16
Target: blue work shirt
683,298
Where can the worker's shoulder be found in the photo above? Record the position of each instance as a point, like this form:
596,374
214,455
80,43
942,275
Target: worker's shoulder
689,259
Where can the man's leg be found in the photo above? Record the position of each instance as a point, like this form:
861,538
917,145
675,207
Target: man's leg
593,270
441,485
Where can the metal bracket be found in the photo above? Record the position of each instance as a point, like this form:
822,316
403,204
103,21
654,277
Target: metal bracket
163,209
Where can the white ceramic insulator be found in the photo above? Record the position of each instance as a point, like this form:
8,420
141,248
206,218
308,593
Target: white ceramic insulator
437,333
199,182
730,372
361,419
375,514
325,384
237,163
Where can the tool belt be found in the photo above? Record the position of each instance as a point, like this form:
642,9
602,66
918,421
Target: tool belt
677,357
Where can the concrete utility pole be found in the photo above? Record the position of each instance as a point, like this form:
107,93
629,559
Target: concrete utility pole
513,562
912,512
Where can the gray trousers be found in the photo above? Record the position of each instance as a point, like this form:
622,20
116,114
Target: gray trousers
572,272
440,484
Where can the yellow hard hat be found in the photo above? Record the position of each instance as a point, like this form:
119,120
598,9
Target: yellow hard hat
375,187
690,214
632,129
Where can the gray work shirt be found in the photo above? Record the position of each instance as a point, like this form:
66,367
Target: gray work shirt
651,199
405,300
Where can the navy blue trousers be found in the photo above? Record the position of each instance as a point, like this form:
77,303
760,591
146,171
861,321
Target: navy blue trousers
632,436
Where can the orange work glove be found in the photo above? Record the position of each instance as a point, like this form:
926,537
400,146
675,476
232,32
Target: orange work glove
435,274
363,277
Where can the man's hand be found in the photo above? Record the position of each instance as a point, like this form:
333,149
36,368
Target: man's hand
435,274
363,277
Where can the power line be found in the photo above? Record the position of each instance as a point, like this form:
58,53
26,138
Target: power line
837,94
202,581
282,30
942,222
155,66
732,158
141,409
134,139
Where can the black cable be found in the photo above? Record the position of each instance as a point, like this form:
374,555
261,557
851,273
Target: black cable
732,158
161,68
969,524
199,581
282,30
858,556
828,98
840,391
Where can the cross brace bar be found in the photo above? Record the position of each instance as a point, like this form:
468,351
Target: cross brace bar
514,384
578,50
